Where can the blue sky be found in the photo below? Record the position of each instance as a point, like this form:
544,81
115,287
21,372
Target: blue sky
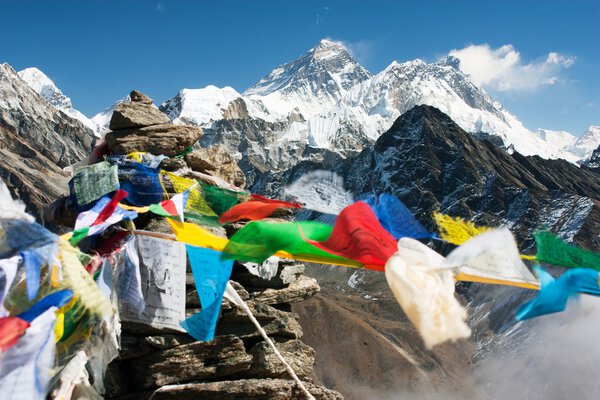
97,51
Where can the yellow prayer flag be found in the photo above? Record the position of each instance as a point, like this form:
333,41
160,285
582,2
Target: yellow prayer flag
456,230
196,236
196,201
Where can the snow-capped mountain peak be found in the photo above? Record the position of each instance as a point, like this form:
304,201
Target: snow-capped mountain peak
46,88
587,143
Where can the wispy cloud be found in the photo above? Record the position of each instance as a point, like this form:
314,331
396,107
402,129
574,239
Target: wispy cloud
502,69
160,7
362,50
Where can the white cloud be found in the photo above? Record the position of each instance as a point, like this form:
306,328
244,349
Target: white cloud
502,69
160,7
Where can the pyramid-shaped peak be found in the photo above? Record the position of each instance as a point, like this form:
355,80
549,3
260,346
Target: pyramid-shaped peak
327,48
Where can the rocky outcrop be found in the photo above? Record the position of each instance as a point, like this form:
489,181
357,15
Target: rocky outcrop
216,160
36,141
136,114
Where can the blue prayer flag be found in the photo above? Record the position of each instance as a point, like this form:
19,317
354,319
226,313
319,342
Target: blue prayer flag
56,299
211,275
555,293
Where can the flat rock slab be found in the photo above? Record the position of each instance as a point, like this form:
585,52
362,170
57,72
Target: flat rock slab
221,357
265,363
166,139
139,346
299,290
216,160
248,389
136,115
279,325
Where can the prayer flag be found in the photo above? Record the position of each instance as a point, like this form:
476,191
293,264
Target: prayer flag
426,293
258,207
456,230
106,212
555,293
11,329
211,275
142,184
9,268
358,235
57,299
27,367
93,181
173,207
396,218
491,257
553,250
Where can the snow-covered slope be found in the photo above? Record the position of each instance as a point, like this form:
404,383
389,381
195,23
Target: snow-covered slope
586,144
44,86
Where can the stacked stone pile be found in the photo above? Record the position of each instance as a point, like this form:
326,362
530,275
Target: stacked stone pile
237,364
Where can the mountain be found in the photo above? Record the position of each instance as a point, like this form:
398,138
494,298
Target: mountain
587,143
37,141
44,86
326,100
431,163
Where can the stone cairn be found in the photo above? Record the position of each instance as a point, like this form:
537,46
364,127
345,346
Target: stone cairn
237,364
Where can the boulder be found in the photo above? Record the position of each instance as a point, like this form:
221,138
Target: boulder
221,357
166,139
138,346
265,364
216,160
248,389
131,114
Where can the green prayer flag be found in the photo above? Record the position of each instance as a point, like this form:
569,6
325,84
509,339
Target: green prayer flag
553,250
94,181
259,240
220,199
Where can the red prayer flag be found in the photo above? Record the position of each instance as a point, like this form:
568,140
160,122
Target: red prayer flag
258,207
110,207
358,235
11,329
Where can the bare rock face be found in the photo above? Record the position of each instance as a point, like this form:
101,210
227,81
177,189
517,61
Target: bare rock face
166,139
249,389
223,356
216,160
265,363
299,290
137,113
139,97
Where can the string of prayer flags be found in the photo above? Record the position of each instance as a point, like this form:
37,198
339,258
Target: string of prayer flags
553,250
396,218
259,240
426,293
106,212
9,267
258,207
147,159
27,367
321,191
19,235
211,275
357,235
491,257
94,181
142,184
196,206
11,329
57,299
456,230
76,278
33,260
555,293
174,207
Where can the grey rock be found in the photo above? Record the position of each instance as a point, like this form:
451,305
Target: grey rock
132,114
221,357
248,389
173,164
279,325
138,346
299,290
265,363
166,139
216,160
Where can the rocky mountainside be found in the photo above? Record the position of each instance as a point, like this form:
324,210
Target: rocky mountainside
37,141
430,163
